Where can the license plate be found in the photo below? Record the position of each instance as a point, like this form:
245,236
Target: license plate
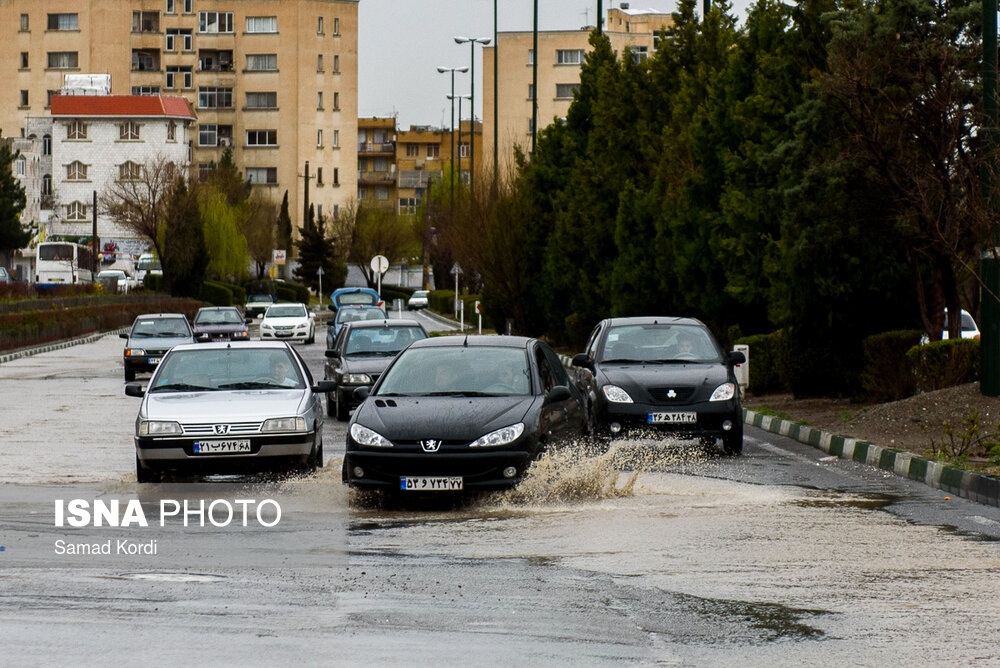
283,333
154,360
221,447
672,418
427,484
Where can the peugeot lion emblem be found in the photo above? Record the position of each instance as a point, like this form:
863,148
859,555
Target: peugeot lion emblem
221,429
671,394
430,445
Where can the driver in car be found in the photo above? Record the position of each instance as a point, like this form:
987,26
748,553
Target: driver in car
281,372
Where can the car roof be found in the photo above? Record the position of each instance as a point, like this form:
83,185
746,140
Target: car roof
654,320
385,322
366,306
222,345
218,308
474,341
157,316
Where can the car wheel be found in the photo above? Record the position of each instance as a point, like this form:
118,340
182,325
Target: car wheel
590,428
330,410
143,474
319,456
312,337
732,442
129,375
342,413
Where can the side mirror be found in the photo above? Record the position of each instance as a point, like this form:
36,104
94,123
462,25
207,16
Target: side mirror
203,337
247,320
331,307
260,316
737,357
332,354
312,315
583,361
324,386
134,390
123,336
361,393
558,393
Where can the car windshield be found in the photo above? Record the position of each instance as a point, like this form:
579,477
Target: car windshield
261,297
420,293
352,298
381,340
458,371
352,314
227,369
223,317
660,343
290,311
161,327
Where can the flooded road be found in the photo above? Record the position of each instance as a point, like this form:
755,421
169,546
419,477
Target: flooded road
650,553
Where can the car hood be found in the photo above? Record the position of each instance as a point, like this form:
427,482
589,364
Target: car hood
158,342
633,377
447,418
362,364
284,322
212,329
223,405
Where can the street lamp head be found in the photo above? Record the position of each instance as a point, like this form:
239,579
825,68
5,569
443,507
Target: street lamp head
461,40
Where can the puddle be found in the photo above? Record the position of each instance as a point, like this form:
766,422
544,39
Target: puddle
773,620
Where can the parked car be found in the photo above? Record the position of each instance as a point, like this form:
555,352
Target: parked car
148,265
288,321
417,300
462,412
350,314
666,375
257,303
5,276
219,323
227,407
360,354
149,339
354,297
123,282
969,328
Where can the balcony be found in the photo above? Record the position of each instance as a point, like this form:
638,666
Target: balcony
377,148
377,178
145,60
213,60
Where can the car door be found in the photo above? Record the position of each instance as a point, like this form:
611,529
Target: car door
554,417
315,397
576,405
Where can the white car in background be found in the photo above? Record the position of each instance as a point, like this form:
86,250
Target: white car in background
418,300
969,328
125,284
288,322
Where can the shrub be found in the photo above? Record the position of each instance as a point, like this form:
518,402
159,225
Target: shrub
216,294
768,363
238,291
153,283
441,301
888,374
391,292
941,364
287,291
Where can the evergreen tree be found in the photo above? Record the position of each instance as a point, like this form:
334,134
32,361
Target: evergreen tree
284,239
12,201
316,249
185,259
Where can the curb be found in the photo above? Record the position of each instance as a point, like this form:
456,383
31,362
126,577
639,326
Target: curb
28,352
967,484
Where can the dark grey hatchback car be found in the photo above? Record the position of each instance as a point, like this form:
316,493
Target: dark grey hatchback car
667,375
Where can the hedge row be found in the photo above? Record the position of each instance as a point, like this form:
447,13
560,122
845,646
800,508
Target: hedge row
941,364
888,374
21,330
291,292
443,302
769,357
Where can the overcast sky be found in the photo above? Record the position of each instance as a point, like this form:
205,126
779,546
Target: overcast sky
402,42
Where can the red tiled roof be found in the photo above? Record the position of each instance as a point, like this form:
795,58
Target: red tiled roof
121,105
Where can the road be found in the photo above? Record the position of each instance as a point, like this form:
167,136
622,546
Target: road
651,553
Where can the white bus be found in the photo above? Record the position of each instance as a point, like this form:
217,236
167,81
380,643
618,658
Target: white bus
63,263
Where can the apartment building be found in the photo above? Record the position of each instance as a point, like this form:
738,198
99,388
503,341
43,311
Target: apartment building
560,56
377,161
276,81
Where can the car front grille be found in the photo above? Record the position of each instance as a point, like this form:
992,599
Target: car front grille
662,395
282,328
208,428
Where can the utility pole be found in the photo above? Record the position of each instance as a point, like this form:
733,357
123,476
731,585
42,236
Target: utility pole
305,208
989,382
600,17
496,100
534,78
472,104
442,70
95,263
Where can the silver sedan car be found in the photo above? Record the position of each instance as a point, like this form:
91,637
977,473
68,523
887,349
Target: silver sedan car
229,407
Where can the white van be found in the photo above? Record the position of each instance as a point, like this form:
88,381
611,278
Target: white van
148,264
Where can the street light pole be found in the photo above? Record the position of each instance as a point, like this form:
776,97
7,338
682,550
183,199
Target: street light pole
472,41
496,101
534,77
442,70
459,142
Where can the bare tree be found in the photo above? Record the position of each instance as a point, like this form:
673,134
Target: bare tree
377,230
139,205
259,221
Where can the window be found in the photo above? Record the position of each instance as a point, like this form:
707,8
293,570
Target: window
531,125
319,25
433,151
336,177
212,97
49,94
76,171
47,184
20,166
336,101
412,150
63,60
336,140
145,90
46,144
640,53
24,22
262,174
336,26
319,100
264,100
319,174
129,131
187,43
569,56
76,211
129,171
145,60
76,130
408,205
262,24
319,63
531,56
24,60
362,192
60,22
185,80
319,138
208,134
381,193
205,170
319,212
214,22
463,150
336,65
145,21
262,137
172,131
262,62
24,98
531,91
188,6
380,164
566,90
170,8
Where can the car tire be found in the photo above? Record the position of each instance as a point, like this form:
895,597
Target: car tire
143,474
330,409
312,337
732,442
343,415
320,456
129,375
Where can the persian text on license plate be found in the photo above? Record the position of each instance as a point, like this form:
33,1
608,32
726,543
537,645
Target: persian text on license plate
429,484
672,418
154,360
221,447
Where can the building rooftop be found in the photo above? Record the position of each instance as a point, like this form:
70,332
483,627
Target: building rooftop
121,105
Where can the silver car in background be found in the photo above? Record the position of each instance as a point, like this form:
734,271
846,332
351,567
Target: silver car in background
226,408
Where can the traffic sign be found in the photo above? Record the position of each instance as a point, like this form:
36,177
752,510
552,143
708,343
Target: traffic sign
380,264
278,256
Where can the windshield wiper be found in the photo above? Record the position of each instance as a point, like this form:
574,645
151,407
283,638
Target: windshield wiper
172,335
182,387
621,361
674,361
459,393
254,385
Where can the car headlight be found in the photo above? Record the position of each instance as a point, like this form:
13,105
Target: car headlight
284,424
499,437
239,335
616,395
159,428
356,379
302,326
134,352
365,436
265,325
724,392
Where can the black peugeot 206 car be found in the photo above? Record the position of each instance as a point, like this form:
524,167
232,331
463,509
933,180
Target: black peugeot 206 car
664,375
462,412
